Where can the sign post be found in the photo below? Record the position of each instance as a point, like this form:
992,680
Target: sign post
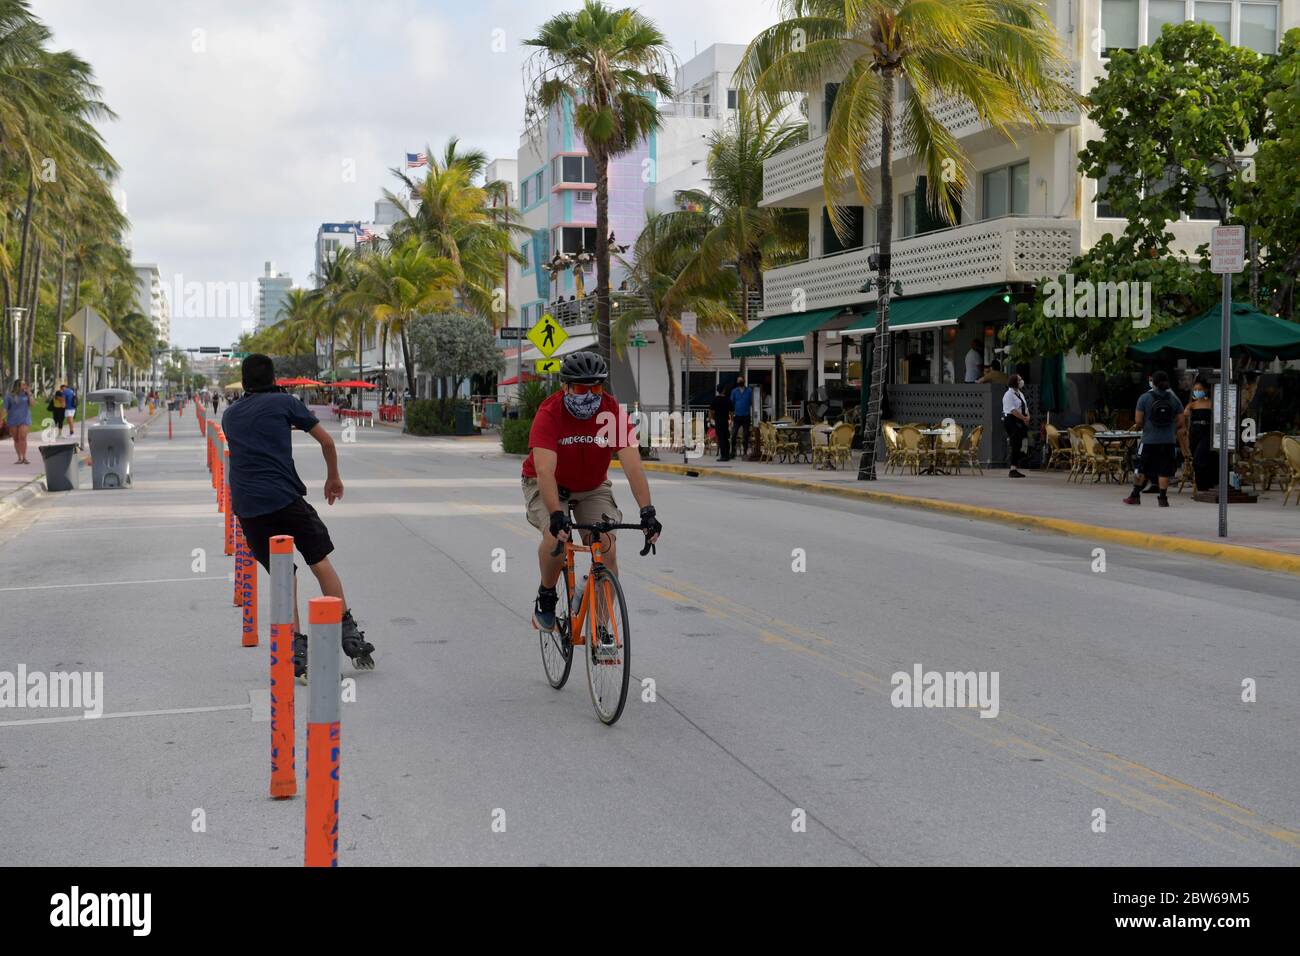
1227,258
689,324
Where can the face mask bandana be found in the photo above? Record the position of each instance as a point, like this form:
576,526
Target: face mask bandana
582,406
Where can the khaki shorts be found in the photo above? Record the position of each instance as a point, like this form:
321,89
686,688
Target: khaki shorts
585,506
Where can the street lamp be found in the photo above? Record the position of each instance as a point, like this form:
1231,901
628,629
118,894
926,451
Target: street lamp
17,313
60,364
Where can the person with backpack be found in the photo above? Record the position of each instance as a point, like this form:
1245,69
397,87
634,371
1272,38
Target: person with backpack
1157,415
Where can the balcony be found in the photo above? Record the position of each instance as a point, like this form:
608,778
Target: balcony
1011,249
793,177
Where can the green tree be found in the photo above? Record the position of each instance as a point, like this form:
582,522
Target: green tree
1003,57
455,346
606,64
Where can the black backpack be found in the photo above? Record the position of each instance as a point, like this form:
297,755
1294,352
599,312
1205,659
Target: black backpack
1162,409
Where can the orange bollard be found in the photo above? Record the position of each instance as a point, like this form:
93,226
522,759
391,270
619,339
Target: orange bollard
325,620
230,514
246,590
284,781
240,550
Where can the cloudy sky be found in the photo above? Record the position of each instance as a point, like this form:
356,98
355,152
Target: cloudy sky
237,118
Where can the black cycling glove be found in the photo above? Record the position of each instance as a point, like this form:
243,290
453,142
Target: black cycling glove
649,523
560,522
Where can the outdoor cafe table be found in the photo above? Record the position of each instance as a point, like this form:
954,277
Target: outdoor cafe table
934,434
803,433
1128,439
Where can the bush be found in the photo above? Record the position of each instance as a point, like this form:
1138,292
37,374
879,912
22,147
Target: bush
426,416
531,395
514,435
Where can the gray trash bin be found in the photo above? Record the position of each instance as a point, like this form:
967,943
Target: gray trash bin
112,440
60,466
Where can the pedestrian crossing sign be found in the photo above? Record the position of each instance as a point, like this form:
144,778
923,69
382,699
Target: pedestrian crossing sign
548,335
547,366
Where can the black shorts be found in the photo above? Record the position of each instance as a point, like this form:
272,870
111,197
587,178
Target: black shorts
1157,461
310,536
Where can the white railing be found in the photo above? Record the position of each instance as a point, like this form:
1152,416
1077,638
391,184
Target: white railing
1011,249
799,169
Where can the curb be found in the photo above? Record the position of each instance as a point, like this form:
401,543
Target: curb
1227,553
18,498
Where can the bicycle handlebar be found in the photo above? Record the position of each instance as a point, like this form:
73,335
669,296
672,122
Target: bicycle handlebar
604,527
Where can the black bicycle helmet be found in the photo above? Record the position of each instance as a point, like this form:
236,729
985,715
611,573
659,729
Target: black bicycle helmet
584,367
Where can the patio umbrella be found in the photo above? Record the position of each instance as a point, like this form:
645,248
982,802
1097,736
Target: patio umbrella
298,383
1254,334
351,383
514,379
1054,394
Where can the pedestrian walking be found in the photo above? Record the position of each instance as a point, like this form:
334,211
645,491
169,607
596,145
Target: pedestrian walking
58,407
70,403
720,407
742,402
1157,415
18,416
216,400
268,496
1015,418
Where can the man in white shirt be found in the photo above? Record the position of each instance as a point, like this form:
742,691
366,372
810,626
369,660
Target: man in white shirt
974,362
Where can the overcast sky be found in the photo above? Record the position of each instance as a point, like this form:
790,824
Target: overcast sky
236,117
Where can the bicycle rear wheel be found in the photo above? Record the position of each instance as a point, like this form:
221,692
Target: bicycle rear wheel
557,649
608,647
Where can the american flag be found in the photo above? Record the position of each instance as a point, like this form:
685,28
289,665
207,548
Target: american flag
364,234
416,160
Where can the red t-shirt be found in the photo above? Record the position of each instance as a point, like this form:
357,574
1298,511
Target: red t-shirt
583,448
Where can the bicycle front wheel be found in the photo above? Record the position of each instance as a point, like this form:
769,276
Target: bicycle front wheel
557,649
608,647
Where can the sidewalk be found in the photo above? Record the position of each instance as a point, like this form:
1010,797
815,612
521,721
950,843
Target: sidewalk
14,477
1265,526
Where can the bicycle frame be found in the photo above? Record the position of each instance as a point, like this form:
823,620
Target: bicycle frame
576,621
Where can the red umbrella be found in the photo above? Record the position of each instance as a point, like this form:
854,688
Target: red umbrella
298,382
514,379
354,383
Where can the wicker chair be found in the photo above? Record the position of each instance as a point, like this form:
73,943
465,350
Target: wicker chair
1059,454
841,444
1078,456
948,448
820,445
911,448
969,453
1291,449
1267,461
1100,462
890,431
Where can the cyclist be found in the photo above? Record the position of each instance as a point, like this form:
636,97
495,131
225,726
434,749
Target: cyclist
575,434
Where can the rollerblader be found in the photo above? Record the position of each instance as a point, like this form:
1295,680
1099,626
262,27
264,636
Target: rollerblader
267,494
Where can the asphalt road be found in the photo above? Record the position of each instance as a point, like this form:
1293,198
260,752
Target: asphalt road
1118,691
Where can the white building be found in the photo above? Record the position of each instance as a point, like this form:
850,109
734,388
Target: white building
1025,214
151,298
272,288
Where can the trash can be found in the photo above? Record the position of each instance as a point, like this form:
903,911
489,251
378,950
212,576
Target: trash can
111,439
464,418
60,466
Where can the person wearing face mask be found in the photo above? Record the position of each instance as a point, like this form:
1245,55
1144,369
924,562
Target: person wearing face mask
1157,414
1015,418
575,435
1199,417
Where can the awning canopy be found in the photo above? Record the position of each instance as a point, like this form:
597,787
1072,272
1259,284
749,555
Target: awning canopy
1252,333
781,334
932,311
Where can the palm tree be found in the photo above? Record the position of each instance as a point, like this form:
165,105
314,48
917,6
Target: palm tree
741,231
665,284
411,279
607,64
1003,57
453,213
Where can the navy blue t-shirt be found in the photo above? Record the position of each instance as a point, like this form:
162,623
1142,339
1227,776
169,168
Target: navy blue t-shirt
259,430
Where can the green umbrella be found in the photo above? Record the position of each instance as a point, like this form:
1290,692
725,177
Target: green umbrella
1253,334
1053,395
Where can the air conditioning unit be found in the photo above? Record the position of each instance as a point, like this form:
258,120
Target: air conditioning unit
587,196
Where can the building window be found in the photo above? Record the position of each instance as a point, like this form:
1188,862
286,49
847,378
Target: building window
1217,15
831,243
832,90
572,240
527,250
1005,191
574,169
1258,27
1160,12
1206,207
1119,25
731,99
908,204
523,194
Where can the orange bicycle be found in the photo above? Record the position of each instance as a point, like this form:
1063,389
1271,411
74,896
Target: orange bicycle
595,615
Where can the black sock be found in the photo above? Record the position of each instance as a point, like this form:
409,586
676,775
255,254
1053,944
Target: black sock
542,589
1137,491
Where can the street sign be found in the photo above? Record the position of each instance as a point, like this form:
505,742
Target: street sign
637,341
548,335
690,323
1232,416
511,332
209,349
89,326
1227,250
547,366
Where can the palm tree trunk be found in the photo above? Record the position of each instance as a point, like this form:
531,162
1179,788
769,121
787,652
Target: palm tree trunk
406,359
34,304
602,254
58,311
27,224
880,362
661,320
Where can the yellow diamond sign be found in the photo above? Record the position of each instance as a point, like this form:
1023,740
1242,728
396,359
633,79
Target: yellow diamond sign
548,335
547,366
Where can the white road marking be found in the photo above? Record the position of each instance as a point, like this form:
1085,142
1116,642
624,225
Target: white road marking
127,713
260,702
109,584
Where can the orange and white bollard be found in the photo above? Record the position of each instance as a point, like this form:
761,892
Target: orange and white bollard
284,781
246,589
230,512
325,623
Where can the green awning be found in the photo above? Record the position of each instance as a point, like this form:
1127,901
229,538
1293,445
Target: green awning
925,311
1252,333
781,334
